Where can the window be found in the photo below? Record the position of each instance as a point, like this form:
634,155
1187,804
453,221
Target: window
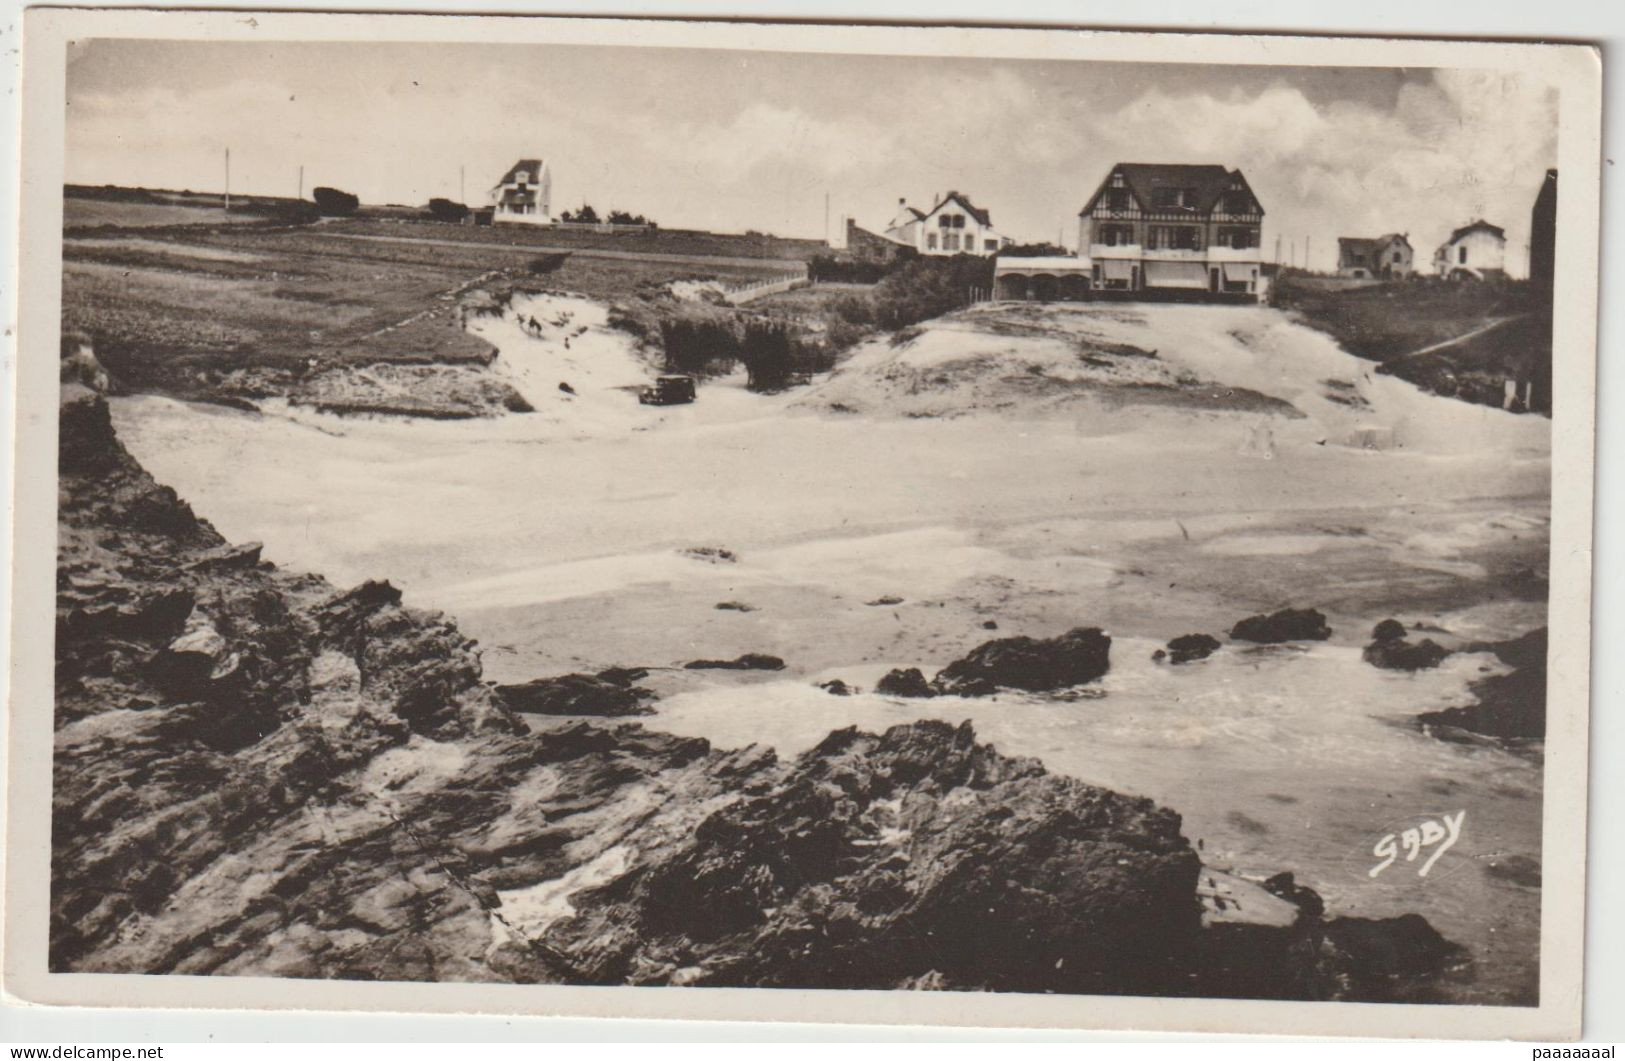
1461,255
1239,237
959,220
1238,203
1116,235
1397,257
1175,237
522,177
950,242
1117,199
991,244
930,241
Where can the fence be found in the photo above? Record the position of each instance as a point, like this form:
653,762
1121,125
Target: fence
605,227
772,285
978,294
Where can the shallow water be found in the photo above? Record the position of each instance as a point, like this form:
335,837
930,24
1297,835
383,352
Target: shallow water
560,540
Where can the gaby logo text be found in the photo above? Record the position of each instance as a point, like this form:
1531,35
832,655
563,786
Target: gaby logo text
1440,834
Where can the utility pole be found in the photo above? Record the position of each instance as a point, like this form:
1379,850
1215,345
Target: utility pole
1306,252
1277,248
462,185
301,181
228,180
826,219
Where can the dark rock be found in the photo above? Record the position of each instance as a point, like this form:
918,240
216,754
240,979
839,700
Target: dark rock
625,677
909,683
1373,950
883,601
610,693
1509,706
1307,900
1288,624
1400,654
734,606
853,871
1077,656
990,625
197,665
836,687
1188,648
1388,630
749,661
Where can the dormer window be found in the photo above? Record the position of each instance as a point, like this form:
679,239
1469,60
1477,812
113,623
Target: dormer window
523,176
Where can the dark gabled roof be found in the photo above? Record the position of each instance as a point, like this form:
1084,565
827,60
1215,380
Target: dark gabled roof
1210,181
982,216
1480,224
1364,245
531,167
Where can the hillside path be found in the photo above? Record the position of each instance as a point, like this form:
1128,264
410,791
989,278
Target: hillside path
1462,338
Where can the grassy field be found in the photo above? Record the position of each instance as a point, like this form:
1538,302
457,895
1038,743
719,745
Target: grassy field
239,311
1397,323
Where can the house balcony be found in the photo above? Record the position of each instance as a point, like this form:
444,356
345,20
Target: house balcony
1136,252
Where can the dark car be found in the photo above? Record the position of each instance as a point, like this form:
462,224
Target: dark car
668,390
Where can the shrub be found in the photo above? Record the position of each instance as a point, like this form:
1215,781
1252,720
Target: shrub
333,203
621,217
546,263
826,268
698,347
769,353
922,289
586,215
1033,250
446,210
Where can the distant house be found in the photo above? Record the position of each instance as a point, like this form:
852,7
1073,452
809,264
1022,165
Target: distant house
1174,227
524,194
1387,257
1543,231
1475,251
865,246
953,226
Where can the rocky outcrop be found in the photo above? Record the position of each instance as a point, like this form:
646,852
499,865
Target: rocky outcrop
1030,664
1288,624
1187,648
257,774
748,661
1508,706
906,682
1027,664
612,693
1390,649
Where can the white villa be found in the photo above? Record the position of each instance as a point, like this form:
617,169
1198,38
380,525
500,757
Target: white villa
524,194
953,226
1473,252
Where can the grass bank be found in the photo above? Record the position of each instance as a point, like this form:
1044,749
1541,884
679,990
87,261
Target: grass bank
1459,339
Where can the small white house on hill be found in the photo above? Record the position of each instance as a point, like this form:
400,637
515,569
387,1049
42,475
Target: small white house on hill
524,195
954,225
1473,252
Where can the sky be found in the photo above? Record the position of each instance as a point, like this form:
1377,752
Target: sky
733,141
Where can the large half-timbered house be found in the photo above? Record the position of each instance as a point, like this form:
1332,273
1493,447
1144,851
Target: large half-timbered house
1173,227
